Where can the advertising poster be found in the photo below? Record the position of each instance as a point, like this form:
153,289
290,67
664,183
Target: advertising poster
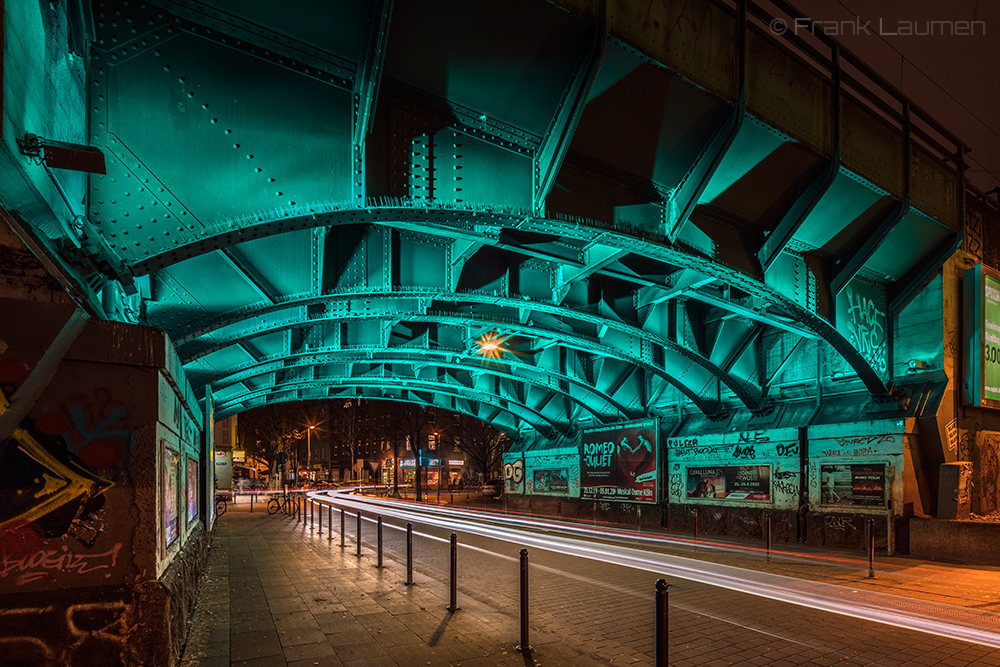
991,338
551,481
192,489
854,485
619,463
171,471
729,482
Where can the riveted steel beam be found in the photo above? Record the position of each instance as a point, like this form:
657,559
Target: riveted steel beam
211,24
572,340
757,314
475,223
806,202
418,357
678,284
556,142
906,287
258,282
752,334
513,302
685,196
500,419
597,258
524,413
853,264
365,93
369,74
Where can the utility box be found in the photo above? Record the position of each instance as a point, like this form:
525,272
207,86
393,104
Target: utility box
954,498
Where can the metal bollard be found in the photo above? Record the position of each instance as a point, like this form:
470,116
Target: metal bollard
251,503
379,541
524,646
871,548
312,515
409,554
320,531
454,573
329,516
769,537
341,527
298,509
662,643
359,533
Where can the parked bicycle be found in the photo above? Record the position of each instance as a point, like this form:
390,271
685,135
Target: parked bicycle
280,504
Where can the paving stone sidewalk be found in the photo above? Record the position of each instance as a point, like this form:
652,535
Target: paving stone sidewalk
268,600
278,593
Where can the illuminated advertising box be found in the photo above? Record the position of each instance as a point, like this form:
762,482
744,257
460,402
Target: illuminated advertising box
619,463
729,482
853,485
981,305
551,481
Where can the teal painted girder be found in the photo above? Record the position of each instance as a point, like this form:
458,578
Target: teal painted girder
602,406
675,355
513,159
565,339
485,227
524,413
502,419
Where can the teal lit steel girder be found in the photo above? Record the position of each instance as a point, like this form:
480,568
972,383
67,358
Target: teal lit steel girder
602,406
577,328
340,198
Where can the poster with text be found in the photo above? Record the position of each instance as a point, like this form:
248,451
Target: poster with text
192,489
619,462
991,338
853,484
729,482
551,481
171,470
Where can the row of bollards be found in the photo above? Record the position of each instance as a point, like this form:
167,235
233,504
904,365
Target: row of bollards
524,646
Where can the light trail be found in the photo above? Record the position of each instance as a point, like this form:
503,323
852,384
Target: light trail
970,625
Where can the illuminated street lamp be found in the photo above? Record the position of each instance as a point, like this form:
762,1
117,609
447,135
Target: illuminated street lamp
309,455
491,345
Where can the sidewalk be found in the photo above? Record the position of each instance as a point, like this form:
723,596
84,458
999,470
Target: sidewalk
267,600
276,593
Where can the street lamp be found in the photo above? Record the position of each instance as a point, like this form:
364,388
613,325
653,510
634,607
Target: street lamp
309,453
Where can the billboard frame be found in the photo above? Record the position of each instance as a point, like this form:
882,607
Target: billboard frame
602,493
974,362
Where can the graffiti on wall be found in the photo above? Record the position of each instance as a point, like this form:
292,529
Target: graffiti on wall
54,474
989,473
514,472
863,323
82,633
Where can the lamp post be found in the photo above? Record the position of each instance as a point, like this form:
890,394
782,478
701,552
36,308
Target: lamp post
309,453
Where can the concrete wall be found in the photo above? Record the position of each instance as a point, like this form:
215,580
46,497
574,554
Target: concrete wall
957,541
100,553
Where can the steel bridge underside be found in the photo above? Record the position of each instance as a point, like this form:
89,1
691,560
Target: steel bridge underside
644,205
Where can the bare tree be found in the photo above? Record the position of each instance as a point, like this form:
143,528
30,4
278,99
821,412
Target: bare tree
483,444
271,429
348,423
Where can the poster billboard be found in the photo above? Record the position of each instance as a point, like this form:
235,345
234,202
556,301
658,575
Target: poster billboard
729,482
551,481
981,306
192,489
170,489
619,462
853,485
